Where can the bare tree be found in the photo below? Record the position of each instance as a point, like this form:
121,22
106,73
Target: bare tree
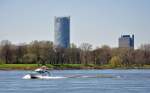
86,53
102,55
6,52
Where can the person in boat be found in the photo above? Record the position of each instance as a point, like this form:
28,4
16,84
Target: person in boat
39,72
43,70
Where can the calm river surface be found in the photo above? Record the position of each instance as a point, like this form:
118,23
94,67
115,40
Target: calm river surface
122,81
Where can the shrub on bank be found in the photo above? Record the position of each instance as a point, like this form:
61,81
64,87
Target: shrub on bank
115,61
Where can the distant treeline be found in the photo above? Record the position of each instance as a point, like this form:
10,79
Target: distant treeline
44,52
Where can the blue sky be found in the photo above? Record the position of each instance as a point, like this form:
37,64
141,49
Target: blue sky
98,22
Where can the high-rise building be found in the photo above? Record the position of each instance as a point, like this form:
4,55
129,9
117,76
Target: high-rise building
126,41
62,32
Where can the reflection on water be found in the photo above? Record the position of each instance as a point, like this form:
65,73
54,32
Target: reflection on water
78,81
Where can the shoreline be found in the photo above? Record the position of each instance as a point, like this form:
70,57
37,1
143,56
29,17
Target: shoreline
8,67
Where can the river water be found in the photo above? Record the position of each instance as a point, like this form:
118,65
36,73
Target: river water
118,81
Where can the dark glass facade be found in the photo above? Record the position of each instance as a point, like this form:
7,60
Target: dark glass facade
62,32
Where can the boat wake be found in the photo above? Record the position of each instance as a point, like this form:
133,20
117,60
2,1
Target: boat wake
72,76
43,73
43,77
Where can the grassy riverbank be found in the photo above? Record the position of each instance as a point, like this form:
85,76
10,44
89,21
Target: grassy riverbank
56,66
18,66
65,66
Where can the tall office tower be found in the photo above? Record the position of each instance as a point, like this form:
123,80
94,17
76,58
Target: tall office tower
126,41
62,32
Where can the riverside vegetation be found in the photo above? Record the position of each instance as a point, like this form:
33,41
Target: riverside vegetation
37,53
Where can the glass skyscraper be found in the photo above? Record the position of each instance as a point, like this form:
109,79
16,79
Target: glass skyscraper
62,32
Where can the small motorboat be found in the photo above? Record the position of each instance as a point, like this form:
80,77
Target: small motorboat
37,74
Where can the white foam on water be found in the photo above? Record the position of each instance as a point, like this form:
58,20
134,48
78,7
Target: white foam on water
52,77
44,77
26,77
